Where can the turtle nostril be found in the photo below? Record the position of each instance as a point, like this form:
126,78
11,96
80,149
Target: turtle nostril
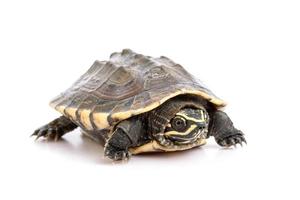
201,125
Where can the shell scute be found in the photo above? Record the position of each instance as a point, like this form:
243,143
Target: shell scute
121,84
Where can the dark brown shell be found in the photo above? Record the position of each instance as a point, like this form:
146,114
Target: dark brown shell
126,85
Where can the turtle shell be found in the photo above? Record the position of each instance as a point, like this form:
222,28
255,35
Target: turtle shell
128,84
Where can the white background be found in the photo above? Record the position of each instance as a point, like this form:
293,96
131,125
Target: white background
247,52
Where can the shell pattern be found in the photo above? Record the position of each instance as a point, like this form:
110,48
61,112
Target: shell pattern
128,84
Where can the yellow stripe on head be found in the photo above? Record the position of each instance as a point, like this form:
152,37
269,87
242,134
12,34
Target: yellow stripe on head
188,131
202,119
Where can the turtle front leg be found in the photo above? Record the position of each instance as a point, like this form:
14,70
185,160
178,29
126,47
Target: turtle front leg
126,134
223,130
55,129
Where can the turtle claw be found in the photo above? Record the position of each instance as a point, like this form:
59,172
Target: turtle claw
55,129
37,137
116,154
232,140
39,133
35,133
243,140
56,138
48,132
223,143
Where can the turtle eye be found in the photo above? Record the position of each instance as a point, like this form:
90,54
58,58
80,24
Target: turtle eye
178,124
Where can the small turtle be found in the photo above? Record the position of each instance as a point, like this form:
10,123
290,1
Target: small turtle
135,104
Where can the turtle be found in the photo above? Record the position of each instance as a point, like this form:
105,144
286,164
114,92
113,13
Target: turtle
134,104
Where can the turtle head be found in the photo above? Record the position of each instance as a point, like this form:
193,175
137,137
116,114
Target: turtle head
187,126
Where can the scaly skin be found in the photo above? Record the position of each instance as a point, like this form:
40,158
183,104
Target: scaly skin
226,135
55,129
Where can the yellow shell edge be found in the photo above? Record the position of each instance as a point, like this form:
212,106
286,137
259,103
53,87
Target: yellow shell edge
125,115
71,112
100,119
85,119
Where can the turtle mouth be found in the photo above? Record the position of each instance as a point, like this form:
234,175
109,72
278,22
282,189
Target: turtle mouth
189,138
177,140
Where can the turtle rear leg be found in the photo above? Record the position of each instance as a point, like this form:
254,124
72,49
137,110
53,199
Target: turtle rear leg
223,130
55,129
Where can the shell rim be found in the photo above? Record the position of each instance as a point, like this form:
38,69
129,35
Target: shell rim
100,119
